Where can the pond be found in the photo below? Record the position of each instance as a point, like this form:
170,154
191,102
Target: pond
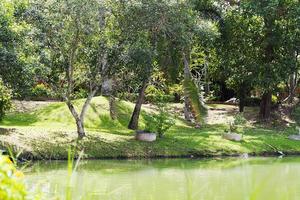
169,179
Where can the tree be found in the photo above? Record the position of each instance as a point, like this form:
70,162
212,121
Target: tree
16,62
276,62
143,25
5,99
238,61
256,47
69,36
160,33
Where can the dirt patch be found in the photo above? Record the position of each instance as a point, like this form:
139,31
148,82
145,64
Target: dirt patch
29,106
221,114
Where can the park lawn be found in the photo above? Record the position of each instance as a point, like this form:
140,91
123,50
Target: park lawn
48,132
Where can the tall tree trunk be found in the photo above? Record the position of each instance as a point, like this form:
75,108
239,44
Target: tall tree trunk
242,104
269,56
133,124
187,110
107,91
242,97
112,107
292,88
265,105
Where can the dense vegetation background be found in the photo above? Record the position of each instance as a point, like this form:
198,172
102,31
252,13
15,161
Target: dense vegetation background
111,68
153,51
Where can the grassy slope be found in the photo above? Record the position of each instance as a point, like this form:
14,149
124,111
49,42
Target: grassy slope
50,131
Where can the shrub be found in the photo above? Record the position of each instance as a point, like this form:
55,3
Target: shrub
11,186
152,98
159,123
127,96
274,99
239,119
5,99
81,93
41,91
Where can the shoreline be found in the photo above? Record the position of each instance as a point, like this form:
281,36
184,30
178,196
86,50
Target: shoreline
37,144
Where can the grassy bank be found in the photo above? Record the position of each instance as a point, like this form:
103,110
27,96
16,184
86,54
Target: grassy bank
48,131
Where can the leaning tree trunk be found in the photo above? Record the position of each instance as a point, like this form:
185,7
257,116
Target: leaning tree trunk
133,124
79,122
79,118
265,105
191,91
80,128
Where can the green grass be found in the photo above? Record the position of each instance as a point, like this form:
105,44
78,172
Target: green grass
48,132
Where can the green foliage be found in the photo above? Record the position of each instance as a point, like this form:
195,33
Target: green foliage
80,94
238,122
252,101
176,89
159,123
274,99
69,35
5,99
239,119
41,91
11,185
154,95
258,44
152,98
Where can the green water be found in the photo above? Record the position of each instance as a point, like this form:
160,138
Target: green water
228,179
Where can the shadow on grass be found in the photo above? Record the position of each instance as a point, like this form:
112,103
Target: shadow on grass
124,112
27,119
104,122
24,119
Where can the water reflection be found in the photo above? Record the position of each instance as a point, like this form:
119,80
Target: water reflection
228,179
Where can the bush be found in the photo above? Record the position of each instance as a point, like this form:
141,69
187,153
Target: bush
127,96
11,186
5,99
239,119
153,98
159,123
81,93
238,122
153,95
41,92
274,99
